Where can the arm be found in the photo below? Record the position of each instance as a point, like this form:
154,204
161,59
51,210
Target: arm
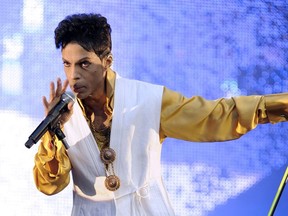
52,166
201,120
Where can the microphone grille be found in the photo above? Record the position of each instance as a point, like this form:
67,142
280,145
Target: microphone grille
67,97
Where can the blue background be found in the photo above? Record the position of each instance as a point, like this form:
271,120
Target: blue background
208,48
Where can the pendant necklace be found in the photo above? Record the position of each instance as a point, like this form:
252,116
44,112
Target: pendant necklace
107,154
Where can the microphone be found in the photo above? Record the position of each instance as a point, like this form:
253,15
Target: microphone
52,118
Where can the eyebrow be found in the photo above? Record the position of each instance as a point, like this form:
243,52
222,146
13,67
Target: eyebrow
80,60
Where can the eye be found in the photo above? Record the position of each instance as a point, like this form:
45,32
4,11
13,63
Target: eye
66,64
85,64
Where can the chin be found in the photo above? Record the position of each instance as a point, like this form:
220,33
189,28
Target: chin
80,95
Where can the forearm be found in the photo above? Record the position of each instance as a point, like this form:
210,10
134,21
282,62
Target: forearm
52,166
198,119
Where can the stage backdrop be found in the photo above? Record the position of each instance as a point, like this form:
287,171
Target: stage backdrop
209,48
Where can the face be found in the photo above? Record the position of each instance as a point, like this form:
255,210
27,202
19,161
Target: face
84,70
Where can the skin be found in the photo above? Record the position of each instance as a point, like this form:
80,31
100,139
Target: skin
85,74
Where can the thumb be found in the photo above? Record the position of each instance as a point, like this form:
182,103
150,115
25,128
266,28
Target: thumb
70,105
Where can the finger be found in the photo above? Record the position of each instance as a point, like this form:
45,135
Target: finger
65,85
59,87
45,104
70,105
52,91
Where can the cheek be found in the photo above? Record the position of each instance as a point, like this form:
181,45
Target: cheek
67,74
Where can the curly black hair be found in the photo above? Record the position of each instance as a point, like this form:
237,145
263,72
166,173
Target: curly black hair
91,31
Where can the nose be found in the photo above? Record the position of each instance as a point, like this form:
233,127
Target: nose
74,73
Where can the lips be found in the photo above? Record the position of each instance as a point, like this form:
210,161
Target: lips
77,88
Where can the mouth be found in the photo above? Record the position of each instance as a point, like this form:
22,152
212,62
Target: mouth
78,88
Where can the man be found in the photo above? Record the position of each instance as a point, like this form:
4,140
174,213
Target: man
116,127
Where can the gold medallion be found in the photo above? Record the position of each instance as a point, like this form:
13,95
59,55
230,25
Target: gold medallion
112,182
107,155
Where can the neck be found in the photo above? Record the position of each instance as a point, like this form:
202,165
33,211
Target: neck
95,103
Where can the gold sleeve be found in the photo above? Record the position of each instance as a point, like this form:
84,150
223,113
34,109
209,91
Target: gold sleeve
52,166
277,107
200,120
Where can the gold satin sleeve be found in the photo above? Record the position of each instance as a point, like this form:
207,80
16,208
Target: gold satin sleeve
277,107
52,166
200,120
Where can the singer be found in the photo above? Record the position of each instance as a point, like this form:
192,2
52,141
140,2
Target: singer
116,127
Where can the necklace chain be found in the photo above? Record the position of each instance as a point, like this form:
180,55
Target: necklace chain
102,137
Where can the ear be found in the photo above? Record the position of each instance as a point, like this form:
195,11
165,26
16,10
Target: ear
108,61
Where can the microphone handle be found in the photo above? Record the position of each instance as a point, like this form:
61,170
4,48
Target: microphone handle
39,131
49,121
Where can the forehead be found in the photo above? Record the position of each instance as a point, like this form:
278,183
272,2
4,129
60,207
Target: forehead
75,52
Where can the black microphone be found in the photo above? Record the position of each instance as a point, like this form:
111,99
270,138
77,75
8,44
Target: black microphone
52,118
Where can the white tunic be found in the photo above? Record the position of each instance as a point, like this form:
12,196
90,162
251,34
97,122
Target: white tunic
135,139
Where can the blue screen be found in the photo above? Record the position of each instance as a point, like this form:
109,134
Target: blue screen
214,49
